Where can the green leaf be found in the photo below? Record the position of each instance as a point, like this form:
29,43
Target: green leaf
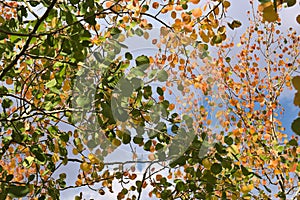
226,164
147,145
40,157
142,62
3,90
6,103
180,186
293,142
159,91
228,140
138,140
91,144
264,1
126,138
115,31
18,191
128,56
162,76
245,171
31,177
139,32
9,177
217,39
2,20
291,3
147,91
296,126
51,83
216,168
126,87
82,101
74,1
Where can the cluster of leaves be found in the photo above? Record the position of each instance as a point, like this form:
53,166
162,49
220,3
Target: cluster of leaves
269,9
65,65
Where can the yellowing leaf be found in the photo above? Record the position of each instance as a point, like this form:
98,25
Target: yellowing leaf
226,4
298,19
245,189
53,22
297,99
85,166
206,163
66,86
262,6
204,37
269,14
296,82
2,20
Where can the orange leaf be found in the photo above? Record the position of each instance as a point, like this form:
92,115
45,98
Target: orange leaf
9,81
158,177
171,106
197,12
195,1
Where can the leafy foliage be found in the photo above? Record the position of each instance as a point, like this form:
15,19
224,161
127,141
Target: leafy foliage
72,93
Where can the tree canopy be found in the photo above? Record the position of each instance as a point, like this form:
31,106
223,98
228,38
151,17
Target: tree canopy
200,117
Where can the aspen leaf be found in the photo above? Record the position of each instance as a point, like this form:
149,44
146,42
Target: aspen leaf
51,83
226,4
298,19
297,99
216,168
85,166
296,82
291,3
2,20
162,76
197,12
195,1
18,191
269,14
296,126
9,81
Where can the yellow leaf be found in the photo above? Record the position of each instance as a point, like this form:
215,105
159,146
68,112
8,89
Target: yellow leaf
296,82
269,14
297,99
53,22
226,4
66,86
75,151
93,158
206,163
245,189
55,157
85,166
204,37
